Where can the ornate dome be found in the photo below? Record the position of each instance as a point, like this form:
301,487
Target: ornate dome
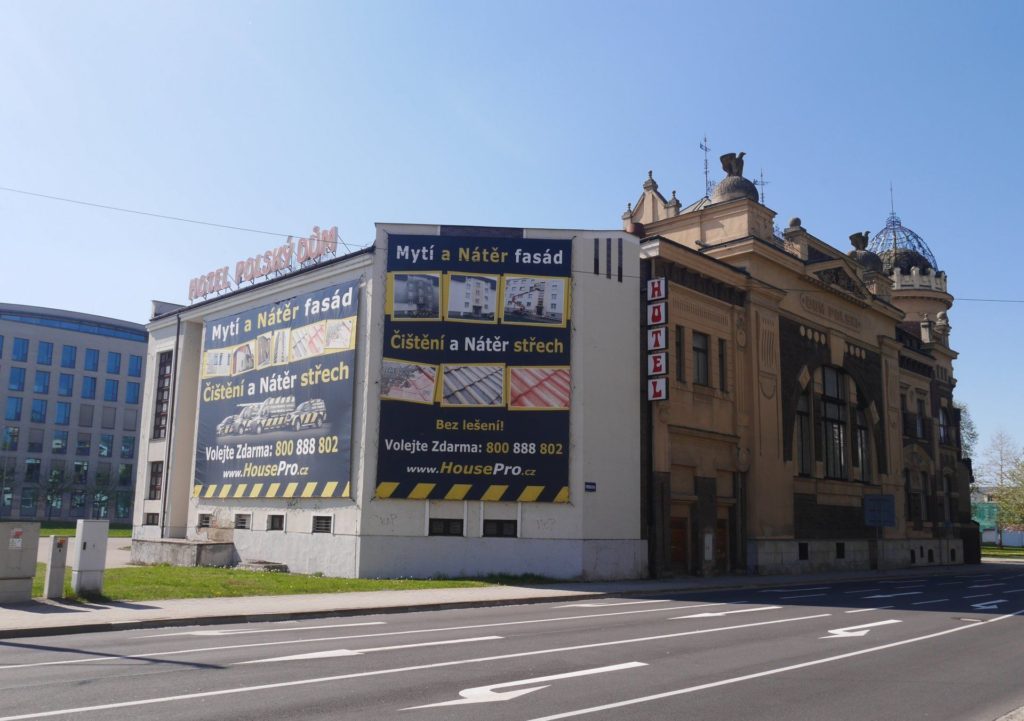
732,187
900,247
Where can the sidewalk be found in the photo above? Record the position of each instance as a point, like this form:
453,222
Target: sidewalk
45,618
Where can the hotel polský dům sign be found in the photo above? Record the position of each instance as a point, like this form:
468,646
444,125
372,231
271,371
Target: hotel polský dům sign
319,244
475,377
275,400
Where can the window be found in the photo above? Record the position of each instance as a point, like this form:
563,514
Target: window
38,410
700,359
68,355
62,417
60,442
322,524
124,474
35,440
66,385
242,521
110,390
156,480
945,437
861,455
32,470
1,346
113,362
13,412
85,413
109,417
919,426
16,380
833,422
29,500
84,445
680,356
19,352
100,505
275,522
78,503
129,419
804,447
127,446
501,529
205,519
131,393
57,470
840,550
42,383
92,359
80,472
445,527
135,366
88,387
10,442
102,473
802,551
163,395
721,365
44,353
106,445
151,519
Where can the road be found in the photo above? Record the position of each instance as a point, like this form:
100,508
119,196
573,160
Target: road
945,646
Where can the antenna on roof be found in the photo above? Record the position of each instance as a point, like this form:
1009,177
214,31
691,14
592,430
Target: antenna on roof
708,185
760,184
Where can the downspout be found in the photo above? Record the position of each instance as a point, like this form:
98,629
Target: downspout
170,427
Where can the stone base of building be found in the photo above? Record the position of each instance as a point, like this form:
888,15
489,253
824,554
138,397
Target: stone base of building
183,552
794,557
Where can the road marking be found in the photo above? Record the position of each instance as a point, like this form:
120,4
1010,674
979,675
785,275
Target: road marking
861,630
1016,590
988,605
607,605
894,595
238,631
862,610
716,614
949,583
806,595
986,585
329,639
791,590
912,585
387,671
760,674
487,694
925,603
977,595
334,653
863,590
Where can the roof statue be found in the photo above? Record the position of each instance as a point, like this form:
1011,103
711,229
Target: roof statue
733,185
859,241
732,163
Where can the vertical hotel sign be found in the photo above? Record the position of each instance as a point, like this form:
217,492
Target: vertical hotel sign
657,339
475,383
275,399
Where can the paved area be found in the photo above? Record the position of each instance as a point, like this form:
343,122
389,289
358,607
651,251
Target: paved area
119,551
41,617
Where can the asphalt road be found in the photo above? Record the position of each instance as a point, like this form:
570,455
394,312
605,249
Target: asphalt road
939,647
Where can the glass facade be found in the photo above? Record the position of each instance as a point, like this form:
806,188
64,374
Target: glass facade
92,359
44,353
88,387
68,355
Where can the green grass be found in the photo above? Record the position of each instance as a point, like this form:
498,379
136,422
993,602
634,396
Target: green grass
155,583
67,528
1005,552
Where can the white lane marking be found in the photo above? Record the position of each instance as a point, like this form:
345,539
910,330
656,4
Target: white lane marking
716,614
894,595
1016,590
238,631
335,653
986,585
792,590
857,631
328,639
862,610
806,595
912,585
387,671
977,595
988,605
607,605
925,603
487,694
760,674
863,590
949,583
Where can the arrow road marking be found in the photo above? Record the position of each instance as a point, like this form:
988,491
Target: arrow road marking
894,595
861,630
334,653
988,605
488,694
716,614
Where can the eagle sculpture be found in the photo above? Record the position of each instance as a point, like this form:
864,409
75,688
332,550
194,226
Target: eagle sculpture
732,163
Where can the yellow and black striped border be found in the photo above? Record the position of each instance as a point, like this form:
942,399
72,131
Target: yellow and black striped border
520,492
274,489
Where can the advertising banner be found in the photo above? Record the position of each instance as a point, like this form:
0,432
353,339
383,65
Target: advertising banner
275,399
475,383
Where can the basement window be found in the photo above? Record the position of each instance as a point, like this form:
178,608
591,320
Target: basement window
445,527
322,524
803,552
151,519
501,529
243,521
275,522
205,520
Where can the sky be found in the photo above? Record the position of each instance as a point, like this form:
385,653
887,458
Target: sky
278,116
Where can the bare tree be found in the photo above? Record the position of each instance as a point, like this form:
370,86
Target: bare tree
1000,458
968,431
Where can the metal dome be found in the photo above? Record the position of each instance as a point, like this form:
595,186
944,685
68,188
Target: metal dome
900,247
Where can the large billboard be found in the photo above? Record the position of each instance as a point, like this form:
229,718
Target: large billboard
475,384
275,399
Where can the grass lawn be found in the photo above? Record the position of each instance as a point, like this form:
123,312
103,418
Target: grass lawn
1005,552
154,583
67,528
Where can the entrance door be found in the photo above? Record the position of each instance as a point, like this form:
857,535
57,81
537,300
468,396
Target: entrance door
722,545
680,545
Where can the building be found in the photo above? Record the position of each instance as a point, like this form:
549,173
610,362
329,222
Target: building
804,417
71,394
451,400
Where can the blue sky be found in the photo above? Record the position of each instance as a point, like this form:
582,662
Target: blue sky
281,115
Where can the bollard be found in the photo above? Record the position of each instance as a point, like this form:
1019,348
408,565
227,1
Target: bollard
54,584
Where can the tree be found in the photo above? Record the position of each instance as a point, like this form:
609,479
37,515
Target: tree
1001,459
1009,499
968,431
